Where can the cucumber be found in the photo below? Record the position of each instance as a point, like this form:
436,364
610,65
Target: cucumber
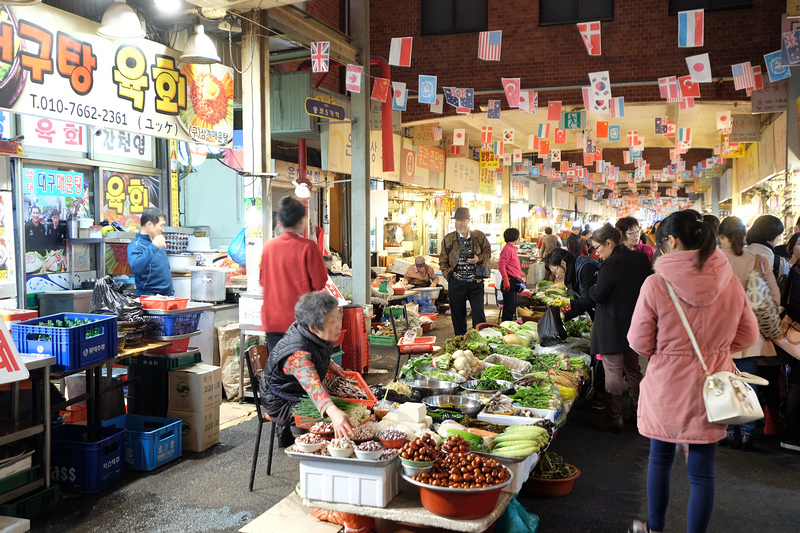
514,430
517,451
517,438
473,440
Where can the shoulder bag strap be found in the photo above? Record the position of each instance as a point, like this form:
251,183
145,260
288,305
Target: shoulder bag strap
687,326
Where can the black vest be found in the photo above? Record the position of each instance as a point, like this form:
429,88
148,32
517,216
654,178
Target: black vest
285,387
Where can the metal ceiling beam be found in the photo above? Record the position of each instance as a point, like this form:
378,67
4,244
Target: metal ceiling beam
298,26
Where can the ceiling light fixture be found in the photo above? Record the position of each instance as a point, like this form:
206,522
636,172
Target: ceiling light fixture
200,48
168,6
120,21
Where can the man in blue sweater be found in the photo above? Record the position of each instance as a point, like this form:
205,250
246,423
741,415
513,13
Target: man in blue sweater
147,255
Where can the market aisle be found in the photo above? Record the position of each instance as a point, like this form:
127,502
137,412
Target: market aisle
207,492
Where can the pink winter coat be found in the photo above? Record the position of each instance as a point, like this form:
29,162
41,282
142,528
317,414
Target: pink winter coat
671,407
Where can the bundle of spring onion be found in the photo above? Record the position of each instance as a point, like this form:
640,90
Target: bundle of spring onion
358,413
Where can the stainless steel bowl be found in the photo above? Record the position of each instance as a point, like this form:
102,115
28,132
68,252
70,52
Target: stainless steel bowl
456,378
432,387
471,386
468,406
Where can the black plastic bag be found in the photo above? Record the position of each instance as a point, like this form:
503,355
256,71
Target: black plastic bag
107,299
551,328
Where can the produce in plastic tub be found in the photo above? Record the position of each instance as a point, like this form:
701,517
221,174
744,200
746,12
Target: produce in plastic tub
392,438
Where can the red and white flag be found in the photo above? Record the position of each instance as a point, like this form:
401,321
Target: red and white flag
517,155
400,52
560,136
590,32
437,133
699,68
380,89
486,135
585,95
633,137
554,111
353,80
320,56
459,136
438,106
724,122
669,88
689,89
511,88
758,80
533,142
489,43
528,101
687,103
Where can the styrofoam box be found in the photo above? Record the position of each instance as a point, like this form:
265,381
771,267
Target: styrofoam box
200,430
196,388
520,469
373,486
511,420
9,524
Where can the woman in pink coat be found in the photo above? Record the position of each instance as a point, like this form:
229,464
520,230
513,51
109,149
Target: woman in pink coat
671,408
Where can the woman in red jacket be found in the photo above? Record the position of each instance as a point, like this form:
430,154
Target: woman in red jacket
671,407
511,272
291,266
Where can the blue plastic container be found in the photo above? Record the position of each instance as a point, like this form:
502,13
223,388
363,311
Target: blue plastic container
74,348
337,357
150,441
169,325
87,459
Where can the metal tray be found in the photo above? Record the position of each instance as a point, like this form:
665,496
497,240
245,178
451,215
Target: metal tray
339,460
176,337
192,307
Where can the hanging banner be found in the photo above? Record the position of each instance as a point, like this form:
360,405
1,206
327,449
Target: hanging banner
125,196
487,182
61,69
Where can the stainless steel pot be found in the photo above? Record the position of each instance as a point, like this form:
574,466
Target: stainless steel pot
208,284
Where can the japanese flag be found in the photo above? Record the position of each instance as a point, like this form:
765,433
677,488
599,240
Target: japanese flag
517,154
699,68
438,106
724,122
459,136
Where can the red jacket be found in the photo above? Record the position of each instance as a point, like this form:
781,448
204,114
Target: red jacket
290,267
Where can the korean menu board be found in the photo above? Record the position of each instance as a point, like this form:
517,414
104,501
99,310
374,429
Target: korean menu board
54,65
125,196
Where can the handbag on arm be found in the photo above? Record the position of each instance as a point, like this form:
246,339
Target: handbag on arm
728,397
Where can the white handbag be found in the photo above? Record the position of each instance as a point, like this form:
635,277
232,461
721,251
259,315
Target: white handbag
728,397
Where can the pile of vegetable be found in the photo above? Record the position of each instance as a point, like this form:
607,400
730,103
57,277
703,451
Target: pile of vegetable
344,388
472,340
487,384
497,372
524,311
465,363
577,328
358,413
520,441
537,397
552,294
439,375
511,350
552,466
407,370
521,335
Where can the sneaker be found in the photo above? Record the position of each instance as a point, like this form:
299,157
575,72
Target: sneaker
791,445
747,442
638,527
729,441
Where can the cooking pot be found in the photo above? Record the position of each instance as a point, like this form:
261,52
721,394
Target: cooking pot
179,262
208,284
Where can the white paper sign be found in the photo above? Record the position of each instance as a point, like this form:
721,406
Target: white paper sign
12,368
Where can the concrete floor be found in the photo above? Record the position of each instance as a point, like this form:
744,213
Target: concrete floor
208,491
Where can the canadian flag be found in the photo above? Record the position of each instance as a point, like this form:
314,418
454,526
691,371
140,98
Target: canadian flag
353,82
590,31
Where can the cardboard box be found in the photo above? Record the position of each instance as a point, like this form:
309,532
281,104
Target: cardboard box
196,388
200,430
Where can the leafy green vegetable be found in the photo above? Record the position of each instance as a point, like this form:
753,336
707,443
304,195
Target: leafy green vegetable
487,384
552,466
576,328
444,361
535,396
439,375
543,285
520,352
407,370
471,340
497,372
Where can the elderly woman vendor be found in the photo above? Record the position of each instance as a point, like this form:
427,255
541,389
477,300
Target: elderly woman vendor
299,363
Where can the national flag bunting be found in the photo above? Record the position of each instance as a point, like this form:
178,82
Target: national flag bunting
399,96
489,43
633,137
689,88
554,111
353,79
601,130
669,88
511,88
400,51
560,136
617,107
544,130
724,122
508,135
590,32
427,89
459,98
690,28
486,135
661,125
687,103
699,68
459,137
437,133
742,76
498,148
528,101
685,135
775,69
758,80
380,90
320,56
438,105
494,109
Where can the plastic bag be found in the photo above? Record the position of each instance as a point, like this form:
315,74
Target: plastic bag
551,329
238,247
516,519
107,299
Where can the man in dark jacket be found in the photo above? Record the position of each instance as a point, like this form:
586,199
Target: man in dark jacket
462,250
573,241
147,256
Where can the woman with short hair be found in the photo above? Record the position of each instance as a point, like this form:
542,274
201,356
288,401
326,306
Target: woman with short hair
511,274
632,238
300,361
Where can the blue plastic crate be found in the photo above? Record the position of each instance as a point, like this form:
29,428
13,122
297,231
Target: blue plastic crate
150,441
169,325
74,348
87,459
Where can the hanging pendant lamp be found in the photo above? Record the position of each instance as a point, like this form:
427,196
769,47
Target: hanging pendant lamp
120,22
200,48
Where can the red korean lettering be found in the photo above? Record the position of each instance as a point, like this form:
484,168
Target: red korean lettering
73,134
37,64
6,42
115,193
170,86
69,184
137,193
129,75
45,129
76,62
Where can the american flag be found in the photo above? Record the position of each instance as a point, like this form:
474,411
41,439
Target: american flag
743,76
320,56
489,45
437,133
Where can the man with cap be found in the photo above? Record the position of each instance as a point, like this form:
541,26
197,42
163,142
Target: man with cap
461,251
573,241
421,275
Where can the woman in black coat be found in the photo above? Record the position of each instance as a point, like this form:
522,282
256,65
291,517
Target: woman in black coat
619,280
579,276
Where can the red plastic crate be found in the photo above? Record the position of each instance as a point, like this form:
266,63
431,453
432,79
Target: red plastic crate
178,346
432,316
371,399
420,345
165,304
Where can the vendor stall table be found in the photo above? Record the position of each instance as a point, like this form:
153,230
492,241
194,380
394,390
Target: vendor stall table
94,381
13,430
407,508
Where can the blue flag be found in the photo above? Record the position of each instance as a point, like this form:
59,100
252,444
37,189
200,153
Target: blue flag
427,89
494,109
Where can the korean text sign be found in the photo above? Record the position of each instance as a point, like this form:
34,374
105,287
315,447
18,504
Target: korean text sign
61,69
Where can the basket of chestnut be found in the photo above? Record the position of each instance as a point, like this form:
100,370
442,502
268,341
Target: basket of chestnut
461,485
418,455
